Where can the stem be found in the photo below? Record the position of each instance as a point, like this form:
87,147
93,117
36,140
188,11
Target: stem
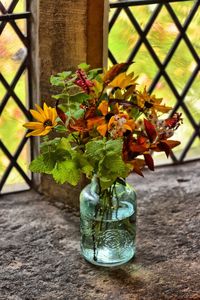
114,188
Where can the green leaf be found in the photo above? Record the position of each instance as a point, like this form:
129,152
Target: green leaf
65,74
94,73
60,128
79,98
66,171
114,147
95,150
49,145
78,113
56,81
84,66
61,97
135,113
105,182
42,164
82,163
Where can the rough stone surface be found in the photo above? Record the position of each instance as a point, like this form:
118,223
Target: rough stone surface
39,246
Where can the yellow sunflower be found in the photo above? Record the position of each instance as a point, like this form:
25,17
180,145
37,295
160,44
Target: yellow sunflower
145,100
46,120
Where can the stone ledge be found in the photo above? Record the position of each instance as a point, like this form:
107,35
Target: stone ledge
39,246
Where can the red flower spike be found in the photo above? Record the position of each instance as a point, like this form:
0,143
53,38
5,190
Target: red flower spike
150,130
149,161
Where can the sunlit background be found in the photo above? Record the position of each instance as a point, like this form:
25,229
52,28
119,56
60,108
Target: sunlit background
12,55
123,37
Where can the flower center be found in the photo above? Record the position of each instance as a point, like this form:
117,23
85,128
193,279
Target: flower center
148,104
47,123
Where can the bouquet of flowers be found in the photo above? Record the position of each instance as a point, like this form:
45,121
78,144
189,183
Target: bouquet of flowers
107,126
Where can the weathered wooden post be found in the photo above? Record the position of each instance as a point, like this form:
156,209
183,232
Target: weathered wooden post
69,32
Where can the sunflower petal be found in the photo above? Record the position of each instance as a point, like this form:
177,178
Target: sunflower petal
33,125
35,132
54,115
40,110
46,110
36,115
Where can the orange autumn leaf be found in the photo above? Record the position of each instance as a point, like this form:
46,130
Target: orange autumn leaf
103,107
78,125
102,129
96,121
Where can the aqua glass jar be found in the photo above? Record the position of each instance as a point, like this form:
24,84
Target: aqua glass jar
108,223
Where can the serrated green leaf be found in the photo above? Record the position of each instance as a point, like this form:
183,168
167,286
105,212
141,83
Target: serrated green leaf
94,73
60,128
84,66
79,98
95,150
56,81
50,145
82,163
65,74
61,96
42,165
105,182
114,146
66,171
79,113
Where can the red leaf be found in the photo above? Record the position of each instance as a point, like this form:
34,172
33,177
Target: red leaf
141,140
137,148
164,147
149,161
172,144
167,145
61,114
150,130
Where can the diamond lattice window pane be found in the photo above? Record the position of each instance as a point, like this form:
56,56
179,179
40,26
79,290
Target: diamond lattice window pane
144,66
12,130
122,30
192,99
165,36
13,53
182,10
2,91
162,34
6,3
15,182
193,31
14,96
20,7
181,66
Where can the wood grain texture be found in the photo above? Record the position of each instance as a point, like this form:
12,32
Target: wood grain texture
70,32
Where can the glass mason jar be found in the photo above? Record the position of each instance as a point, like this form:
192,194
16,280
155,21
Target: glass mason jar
108,223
